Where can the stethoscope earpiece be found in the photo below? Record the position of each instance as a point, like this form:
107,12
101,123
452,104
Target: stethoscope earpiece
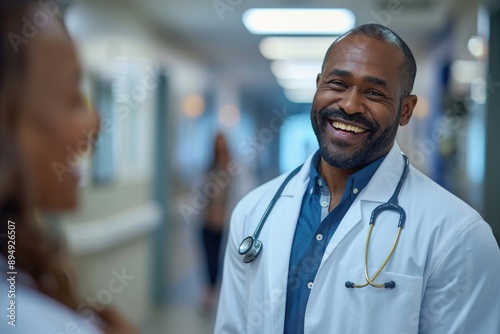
387,285
390,285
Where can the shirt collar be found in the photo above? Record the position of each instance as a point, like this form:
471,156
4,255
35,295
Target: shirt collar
358,180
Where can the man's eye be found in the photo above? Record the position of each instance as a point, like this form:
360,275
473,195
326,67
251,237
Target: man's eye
374,93
338,83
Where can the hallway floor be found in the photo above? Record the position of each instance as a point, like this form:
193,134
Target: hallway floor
184,314
181,320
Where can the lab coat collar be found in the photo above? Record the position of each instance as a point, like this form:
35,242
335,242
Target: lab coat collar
303,176
384,181
379,189
298,185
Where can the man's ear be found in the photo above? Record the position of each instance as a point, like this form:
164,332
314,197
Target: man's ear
317,80
409,103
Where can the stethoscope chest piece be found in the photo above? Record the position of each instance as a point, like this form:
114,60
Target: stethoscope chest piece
250,248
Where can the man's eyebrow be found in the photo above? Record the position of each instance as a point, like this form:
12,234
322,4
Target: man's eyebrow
376,81
340,73
368,78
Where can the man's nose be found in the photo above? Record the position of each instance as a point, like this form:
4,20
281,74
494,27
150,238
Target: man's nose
352,102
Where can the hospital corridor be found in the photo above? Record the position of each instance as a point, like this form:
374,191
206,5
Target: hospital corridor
189,106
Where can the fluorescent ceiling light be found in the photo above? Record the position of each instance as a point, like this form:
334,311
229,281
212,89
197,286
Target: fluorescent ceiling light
298,21
295,69
295,47
306,83
300,95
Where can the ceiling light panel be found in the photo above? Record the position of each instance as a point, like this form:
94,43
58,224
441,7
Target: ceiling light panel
298,21
304,83
296,69
295,47
300,95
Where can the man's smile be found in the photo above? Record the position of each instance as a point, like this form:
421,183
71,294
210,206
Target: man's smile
347,127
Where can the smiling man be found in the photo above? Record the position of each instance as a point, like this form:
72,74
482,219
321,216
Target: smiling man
316,272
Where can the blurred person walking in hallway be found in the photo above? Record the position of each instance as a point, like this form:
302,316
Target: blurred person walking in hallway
215,217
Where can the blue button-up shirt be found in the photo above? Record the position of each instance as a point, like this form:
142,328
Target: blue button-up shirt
314,230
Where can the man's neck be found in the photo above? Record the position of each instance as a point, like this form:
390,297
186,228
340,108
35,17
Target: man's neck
336,179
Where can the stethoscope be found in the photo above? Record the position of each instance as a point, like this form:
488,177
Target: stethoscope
250,247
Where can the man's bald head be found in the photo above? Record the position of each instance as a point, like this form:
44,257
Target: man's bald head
379,32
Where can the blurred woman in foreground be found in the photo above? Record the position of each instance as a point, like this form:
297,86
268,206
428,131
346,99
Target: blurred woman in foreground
42,117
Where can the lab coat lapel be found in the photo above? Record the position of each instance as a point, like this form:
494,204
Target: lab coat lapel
379,190
384,181
283,221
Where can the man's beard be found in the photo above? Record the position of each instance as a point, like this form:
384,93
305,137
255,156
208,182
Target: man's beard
365,154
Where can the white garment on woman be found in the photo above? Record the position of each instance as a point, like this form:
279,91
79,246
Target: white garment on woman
36,313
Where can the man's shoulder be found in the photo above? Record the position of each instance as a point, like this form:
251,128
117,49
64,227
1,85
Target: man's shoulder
432,197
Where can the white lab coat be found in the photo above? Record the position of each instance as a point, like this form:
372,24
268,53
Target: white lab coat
446,265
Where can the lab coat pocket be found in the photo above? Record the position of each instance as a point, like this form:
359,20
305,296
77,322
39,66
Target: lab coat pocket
381,310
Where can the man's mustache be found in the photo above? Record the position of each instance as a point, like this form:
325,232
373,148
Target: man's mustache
331,113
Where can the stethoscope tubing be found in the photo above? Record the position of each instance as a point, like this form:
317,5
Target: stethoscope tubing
273,202
250,247
391,205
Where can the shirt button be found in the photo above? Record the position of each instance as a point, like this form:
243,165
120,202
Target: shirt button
319,236
310,285
355,191
320,183
324,204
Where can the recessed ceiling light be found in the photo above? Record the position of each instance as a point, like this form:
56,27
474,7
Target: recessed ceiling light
298,21
295,47
300,95
303,83
295,69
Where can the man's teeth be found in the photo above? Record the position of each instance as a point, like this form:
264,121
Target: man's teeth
352,128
